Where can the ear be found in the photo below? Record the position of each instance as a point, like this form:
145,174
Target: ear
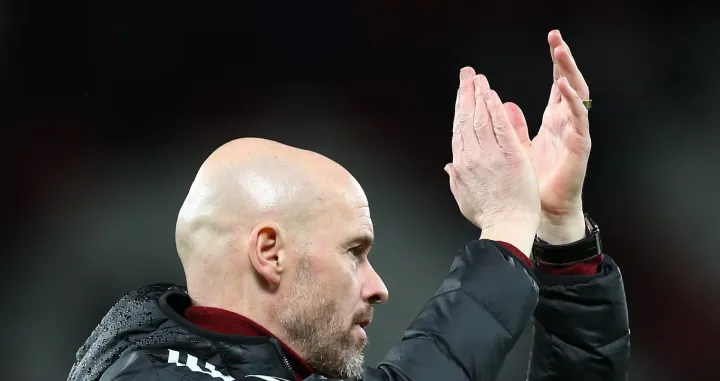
266,253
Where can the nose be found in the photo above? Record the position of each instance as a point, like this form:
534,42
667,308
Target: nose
373,289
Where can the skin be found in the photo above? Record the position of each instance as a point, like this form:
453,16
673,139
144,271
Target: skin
561,149
491,176
281,236
559,154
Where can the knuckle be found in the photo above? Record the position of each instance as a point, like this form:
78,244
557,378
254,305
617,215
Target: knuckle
499,125
463,117
492,110
480,120
463,90
478,96
482,117
495,160
456,137
511,157
470,162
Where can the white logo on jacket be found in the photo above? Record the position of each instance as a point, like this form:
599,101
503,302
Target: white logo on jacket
192,364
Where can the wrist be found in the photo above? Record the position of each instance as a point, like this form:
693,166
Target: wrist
564,229
520,235
586,251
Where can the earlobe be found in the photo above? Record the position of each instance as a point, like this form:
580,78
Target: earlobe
266,253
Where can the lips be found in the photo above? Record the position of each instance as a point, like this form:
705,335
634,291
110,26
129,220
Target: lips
363,318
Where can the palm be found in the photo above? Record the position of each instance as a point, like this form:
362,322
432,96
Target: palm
559,155
561,149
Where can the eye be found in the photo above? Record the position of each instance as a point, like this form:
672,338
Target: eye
355,253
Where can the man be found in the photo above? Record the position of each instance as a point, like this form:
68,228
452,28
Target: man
275,240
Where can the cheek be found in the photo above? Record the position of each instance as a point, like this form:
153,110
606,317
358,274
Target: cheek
338,279
333,267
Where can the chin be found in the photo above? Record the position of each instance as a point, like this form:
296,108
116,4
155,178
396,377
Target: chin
354,366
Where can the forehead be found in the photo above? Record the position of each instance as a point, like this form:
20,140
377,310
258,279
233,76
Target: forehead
349,213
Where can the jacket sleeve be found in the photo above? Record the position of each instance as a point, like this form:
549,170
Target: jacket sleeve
581,328
468,328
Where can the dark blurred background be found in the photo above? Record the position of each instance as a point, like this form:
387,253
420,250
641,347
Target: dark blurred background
109,108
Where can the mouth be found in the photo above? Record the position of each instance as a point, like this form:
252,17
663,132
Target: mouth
363,323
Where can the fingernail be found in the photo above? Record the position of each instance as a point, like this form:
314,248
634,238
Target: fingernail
484,85
476,80
464,73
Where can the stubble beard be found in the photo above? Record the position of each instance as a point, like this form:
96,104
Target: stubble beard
314,325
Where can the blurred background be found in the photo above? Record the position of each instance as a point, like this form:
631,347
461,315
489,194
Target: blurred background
109,108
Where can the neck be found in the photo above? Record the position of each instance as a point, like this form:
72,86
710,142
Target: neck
252,305
230,323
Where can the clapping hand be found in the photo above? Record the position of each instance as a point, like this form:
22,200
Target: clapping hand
561,149
491,176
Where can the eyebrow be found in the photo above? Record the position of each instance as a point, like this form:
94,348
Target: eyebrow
365,240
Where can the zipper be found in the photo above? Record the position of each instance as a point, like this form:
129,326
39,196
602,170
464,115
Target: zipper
285,360
287,365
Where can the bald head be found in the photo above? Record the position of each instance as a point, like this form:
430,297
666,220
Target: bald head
247,181
281,236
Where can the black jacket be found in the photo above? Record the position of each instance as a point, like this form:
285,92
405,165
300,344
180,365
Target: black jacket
464,332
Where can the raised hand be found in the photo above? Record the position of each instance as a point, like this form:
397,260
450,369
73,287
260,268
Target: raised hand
491,176
561,149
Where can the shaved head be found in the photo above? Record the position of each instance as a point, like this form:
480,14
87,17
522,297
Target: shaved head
281,235
249,180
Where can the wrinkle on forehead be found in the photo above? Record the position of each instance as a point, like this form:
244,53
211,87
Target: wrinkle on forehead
362,214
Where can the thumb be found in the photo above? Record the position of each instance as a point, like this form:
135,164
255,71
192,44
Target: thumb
517,119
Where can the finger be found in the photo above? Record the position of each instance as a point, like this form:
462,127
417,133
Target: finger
517,119
565,65
463,137
453,186
554,40
570,70
457,141
554,94
481,119
503,130
577,110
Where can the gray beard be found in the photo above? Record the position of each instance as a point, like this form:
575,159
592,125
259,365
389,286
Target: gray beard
313,325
